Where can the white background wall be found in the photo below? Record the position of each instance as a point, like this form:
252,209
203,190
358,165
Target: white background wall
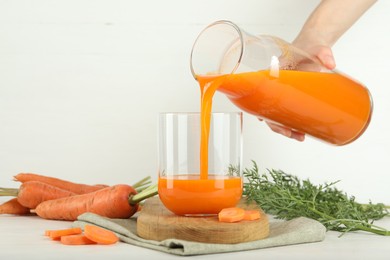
82,82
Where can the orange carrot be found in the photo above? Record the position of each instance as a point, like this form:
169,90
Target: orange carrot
252,214
100,186
13,207
79,239
112,202
31,193
62,184
231,214
58,233
100,235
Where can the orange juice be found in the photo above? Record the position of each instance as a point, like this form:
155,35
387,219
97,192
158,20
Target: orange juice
189,194
208,86
327,106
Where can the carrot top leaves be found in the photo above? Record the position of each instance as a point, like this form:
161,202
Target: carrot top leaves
148,192
9,192
287,197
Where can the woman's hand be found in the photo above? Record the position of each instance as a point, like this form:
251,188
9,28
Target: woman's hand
325,56
312,44
299,136
290,133
327,23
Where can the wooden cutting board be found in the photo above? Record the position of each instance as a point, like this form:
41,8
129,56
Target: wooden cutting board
158,223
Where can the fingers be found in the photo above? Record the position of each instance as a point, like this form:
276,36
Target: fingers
287,132
297,136
325,55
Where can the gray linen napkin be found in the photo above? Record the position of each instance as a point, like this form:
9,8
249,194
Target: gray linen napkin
296,231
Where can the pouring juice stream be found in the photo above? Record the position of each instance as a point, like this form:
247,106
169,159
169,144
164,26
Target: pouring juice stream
208,85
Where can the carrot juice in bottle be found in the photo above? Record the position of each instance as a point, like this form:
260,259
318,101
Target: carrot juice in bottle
274,81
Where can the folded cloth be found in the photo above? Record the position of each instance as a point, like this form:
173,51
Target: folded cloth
282,233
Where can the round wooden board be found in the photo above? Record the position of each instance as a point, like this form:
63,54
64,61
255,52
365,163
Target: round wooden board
158,223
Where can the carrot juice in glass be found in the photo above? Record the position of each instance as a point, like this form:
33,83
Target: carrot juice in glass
200,171
279,83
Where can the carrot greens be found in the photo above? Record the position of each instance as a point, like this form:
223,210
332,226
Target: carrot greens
286,197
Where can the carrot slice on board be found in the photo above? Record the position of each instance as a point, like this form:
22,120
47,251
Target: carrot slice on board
58,233
231,215
252,214
74,240
100,235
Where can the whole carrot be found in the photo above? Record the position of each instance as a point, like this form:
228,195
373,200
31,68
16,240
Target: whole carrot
62,184
13,207
31,193
118,201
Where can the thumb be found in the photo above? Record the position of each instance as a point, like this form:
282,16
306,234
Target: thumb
325,55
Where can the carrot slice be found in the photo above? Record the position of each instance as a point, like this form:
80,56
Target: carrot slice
231,214
252,214
74,240
57,234
100,235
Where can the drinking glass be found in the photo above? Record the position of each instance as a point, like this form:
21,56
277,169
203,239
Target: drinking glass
182,188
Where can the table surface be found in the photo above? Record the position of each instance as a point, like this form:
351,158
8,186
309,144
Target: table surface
21,237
